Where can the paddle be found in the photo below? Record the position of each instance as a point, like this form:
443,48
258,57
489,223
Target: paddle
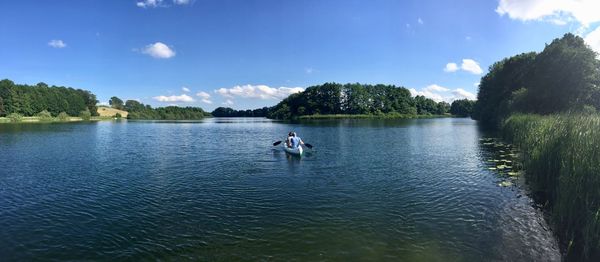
308,145
305,144
277,143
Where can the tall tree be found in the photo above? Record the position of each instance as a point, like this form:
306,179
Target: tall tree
116,103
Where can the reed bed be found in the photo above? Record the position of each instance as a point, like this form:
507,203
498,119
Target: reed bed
561,157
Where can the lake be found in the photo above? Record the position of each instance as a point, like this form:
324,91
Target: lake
216,189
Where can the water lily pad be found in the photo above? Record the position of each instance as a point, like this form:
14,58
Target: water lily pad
505,184
492,168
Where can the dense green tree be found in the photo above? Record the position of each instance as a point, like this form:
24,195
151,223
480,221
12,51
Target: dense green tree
230,112
332,98
29,100
496,87
138,110
462,107
116,103
565,76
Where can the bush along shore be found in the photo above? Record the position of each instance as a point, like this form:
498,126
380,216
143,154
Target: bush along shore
561,157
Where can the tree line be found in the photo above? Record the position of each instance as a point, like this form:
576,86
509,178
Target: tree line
30,100
355,99
230,112
565,76
140,111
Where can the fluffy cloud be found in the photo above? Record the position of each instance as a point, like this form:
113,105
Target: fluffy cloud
471,66
149,3
180,98
158,50
593,40
439,93
436,88
451,67
185,89
468,65
258,91
228,102
561,11
460,93
420,21
159,3
57,44
204,97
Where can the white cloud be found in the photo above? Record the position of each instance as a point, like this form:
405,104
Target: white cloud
309,70
149,3
593,40
460,93
258,91
228,102
436,88
420,21
468,65
57,44
204,97
476,84
439,93
185,89
179,98
158,50
583,11
451,67
181,2
471,66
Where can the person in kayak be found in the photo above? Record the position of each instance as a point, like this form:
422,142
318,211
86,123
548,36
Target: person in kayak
288,140
296,141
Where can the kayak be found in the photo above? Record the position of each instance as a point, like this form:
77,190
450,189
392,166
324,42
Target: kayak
294,151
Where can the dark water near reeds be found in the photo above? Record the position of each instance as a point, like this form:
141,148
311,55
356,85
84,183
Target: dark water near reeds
412,190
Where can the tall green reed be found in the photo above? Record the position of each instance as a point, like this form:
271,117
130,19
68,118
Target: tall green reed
561,156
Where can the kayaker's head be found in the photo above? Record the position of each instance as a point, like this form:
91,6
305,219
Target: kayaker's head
294,134
291,133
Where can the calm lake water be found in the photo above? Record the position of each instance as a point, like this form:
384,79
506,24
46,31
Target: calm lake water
413,190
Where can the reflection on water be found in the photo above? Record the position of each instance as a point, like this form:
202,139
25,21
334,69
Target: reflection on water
216,189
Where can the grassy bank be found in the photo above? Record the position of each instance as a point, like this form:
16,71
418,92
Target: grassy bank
561,155
35,119
369,116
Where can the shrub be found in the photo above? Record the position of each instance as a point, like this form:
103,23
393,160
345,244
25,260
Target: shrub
63,116
45,116
85,115
14,117
117,115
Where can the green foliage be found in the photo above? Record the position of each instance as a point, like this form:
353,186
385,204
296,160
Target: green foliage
117,115
15,117
29,100
138,110
355,99
561,159
116,103
229,112
63,116
496,88
85,115
463,107
565,76
44,115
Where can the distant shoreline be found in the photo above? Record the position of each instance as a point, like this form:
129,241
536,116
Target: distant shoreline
367,116
36,119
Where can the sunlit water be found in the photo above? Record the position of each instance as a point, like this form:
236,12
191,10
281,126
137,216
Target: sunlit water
218,190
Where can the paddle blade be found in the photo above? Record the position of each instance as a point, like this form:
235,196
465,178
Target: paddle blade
308,145
277,143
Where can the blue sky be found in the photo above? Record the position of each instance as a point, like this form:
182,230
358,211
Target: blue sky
250,53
